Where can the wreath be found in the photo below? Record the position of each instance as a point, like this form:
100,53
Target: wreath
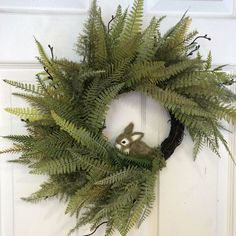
102,182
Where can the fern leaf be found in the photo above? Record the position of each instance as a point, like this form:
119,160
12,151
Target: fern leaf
174,101
30,114
92,165
81,196
198,144
82,136
24,86
134,20
118,176
101,105
145,199
117,26
15,149
48,64
208,62
43,55
48,189
19,138
146,50
101,53
63,165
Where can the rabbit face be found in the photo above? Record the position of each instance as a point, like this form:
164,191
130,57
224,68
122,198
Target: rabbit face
123,143
126,139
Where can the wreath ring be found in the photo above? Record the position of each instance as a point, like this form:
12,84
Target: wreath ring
65,121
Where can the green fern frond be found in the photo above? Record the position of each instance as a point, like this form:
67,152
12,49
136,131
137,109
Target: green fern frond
136,160
19,138
90,164
15,149
156,72
97,115
81,196
109,229
126,49
44,58
63,165
82,136
146,50
115,74
37,102
134,20
25,86
198,145
208,62
28,113
143,71
86,45
144,201
174,101
117,26
90,94
68,66
48,190
118,176
226,112
48,64
101,53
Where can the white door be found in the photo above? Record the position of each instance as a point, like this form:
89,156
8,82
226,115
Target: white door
194,198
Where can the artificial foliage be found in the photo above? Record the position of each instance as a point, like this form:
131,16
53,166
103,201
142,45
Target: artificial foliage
69,101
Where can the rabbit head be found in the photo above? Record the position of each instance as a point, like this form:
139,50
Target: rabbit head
127,138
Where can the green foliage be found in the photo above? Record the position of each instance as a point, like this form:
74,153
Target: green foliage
92,142
30,114
146,50
68,105
134,20
27,87
101,104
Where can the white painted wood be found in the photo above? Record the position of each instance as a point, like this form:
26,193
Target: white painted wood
194,198
17,182
231,195
195,7
6,169
45,7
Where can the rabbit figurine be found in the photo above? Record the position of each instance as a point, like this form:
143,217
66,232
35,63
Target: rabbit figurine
130,142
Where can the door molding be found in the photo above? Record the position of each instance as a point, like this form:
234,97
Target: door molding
231,200
196,8
20,65
45,10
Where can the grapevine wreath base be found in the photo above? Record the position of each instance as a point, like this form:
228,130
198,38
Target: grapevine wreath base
103,184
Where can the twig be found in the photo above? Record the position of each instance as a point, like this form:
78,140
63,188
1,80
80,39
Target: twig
23,120
51,50
194,50
228,83
108,26
105,222
49,75
198,37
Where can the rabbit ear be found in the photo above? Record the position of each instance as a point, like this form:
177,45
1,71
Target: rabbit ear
129,128
137,136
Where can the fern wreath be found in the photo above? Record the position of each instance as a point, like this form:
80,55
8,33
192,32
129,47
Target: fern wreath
68,106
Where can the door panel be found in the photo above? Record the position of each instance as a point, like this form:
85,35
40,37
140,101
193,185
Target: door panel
193,198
